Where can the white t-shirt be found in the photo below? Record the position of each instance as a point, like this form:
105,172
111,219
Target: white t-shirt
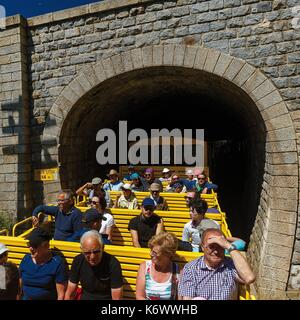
191,234
109,222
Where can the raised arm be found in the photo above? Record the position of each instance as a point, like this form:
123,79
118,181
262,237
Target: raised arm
50,210
81,190
245,274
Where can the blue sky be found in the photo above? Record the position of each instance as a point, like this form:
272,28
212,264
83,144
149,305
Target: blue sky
31,8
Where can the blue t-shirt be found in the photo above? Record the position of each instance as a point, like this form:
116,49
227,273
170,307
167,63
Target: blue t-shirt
65,223
39,280
189,184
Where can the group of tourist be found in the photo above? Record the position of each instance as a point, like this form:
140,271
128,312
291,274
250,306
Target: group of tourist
43,274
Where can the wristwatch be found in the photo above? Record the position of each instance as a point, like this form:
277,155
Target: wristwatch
231,248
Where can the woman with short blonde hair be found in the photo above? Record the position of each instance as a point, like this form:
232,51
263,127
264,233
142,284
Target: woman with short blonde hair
157,278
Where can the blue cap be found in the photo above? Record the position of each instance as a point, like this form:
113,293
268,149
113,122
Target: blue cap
148,202
134,176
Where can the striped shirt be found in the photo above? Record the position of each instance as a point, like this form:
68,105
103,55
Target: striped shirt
199,280
158,290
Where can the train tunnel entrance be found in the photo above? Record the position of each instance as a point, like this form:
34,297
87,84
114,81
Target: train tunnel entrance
174,97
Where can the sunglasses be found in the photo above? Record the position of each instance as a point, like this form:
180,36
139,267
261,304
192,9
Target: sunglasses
95,202
201,178
149,208
88,253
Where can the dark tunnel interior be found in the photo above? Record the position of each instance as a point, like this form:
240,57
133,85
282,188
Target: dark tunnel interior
171,98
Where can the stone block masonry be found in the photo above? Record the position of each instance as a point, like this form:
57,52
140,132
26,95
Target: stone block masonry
50,61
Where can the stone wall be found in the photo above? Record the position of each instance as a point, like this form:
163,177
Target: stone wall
61,45
15,162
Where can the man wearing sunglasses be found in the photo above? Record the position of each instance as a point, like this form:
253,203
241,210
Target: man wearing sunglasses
146,225
214,276
160,202
149,178
98,272
203,186
67,217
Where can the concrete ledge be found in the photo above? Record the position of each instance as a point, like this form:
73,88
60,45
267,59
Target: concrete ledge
14,20
82,10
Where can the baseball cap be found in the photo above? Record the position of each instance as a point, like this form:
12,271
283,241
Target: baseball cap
92,215
189,172
38,236
154,187
165,170
148,202
96,180
113,172
3,248
134,176
149,170
126,186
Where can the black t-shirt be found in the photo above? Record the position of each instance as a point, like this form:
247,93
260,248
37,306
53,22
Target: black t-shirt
146,228
97,281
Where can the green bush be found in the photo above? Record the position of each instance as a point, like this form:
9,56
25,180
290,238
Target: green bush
6,221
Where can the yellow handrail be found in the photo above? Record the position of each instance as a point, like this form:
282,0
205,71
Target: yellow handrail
18,224
4,231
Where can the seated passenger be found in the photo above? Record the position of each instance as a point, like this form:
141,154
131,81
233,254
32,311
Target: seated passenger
203,186
190,182
67,217
189,198
101,194
146,225
166,175
98,272
114,184
177,187
160,202
137,184
91,220
43,273
127,200
157,279
131,171
90,189
190,232
106,225
175,180
201,277
149,178
9,276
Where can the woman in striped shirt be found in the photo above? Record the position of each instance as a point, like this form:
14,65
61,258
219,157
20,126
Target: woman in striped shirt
157,278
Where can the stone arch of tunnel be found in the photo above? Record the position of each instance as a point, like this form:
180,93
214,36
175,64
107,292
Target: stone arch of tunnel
184,87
